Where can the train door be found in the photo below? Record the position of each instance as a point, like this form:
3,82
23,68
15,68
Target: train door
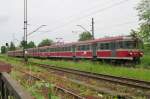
113,48
74,51
94,46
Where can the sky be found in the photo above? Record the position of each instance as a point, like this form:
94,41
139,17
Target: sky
61,17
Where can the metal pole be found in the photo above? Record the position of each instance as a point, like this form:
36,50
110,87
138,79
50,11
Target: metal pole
93,28
25,31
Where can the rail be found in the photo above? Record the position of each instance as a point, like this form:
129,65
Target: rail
10,89
120,80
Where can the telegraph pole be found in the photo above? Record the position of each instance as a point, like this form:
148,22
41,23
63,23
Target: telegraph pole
93,28
25,32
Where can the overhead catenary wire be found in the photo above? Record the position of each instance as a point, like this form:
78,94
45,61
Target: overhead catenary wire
92,13
118,25
86,10
89,14
101,28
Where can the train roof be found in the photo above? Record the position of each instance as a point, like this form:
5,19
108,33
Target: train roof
106,39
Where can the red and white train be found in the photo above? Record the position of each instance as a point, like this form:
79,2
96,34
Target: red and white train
120,48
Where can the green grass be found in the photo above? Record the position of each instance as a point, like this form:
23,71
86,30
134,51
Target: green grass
145,62
140,72
137,73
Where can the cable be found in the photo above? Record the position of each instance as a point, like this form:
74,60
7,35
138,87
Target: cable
95,12
115,25
118,25
69,17
89,14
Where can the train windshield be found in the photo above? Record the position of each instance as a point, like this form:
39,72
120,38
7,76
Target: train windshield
136,44
130,44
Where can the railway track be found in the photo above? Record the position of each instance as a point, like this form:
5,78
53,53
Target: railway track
113,79
75,95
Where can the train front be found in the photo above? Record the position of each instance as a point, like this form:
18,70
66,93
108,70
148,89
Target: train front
130,47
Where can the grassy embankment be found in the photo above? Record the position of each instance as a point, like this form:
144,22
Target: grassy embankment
141,72
145,62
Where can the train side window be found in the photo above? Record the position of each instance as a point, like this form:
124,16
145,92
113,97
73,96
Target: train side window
106,46
47,49
52,49
120,44
87,47
69,48
63,49
82,47
42,50
60,49
78,48
57,49
102,46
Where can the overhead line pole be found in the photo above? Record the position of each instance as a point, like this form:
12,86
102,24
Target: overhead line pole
93,28
25,31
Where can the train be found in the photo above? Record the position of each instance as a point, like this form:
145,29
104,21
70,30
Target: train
118,49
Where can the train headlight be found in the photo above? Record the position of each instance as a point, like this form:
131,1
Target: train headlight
130,53
141,53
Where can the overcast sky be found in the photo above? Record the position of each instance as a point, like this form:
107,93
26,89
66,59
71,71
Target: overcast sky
112,17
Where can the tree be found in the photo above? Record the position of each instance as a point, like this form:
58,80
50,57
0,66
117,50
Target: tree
144,16
3,49
144,10
85,36
45,42
12,46
31,44
22,44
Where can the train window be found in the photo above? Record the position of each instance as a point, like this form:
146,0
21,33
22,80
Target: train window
80,48
84,47
68,48
107,46
130,44
57,49
52,49
102,46
120,44
87,47
43,50
62,49
48,49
